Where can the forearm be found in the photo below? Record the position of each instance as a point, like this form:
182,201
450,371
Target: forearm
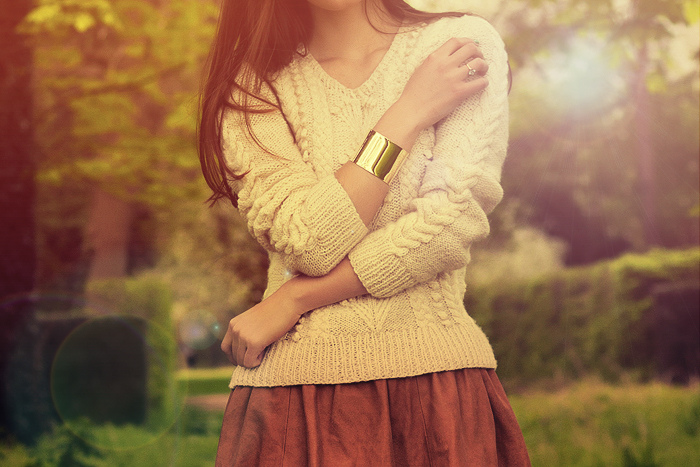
413,251
459,187
366,191
313,219
250,332
314,292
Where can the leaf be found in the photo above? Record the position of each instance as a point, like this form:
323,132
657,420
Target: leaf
44,13
83,22
691,11
656,83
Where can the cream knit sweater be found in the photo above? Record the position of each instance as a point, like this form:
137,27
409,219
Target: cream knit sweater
413,256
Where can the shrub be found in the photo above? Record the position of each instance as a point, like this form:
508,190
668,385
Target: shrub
634,315
148,300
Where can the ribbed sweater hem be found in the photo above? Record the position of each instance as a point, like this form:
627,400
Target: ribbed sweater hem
370,356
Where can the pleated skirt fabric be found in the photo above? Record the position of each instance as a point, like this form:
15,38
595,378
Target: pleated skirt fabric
451,418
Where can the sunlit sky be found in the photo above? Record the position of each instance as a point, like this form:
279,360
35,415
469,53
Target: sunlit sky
682,49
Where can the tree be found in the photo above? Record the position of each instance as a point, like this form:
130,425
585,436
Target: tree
116,117
120,188
17,256
590,159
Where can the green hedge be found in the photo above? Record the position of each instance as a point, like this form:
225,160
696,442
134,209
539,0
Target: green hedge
150,301
610,319
110,360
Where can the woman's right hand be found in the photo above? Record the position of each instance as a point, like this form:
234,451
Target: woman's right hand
250,333
436,88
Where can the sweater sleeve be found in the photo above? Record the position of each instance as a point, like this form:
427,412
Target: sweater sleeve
460,187
288,209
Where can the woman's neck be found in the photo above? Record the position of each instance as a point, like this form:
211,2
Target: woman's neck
347,34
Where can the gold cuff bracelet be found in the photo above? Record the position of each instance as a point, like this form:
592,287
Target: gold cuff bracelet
380,157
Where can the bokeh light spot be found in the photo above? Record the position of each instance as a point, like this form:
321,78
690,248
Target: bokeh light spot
199,329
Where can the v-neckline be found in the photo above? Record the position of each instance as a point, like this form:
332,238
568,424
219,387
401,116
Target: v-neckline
372,76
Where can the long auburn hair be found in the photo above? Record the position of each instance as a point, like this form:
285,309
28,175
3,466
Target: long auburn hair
254,40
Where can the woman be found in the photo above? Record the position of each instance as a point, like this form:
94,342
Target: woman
361,352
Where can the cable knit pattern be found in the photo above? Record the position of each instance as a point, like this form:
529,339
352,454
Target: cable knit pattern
412,258
289,208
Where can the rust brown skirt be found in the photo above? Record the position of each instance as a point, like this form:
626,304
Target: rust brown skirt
451,418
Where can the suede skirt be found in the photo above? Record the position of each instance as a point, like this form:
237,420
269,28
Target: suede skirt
451,418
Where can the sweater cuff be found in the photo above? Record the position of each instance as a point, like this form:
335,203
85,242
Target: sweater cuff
382,273
337,223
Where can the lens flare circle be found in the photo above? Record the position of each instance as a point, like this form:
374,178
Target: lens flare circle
113,382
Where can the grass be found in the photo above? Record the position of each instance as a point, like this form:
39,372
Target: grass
587,424
593,424
206,381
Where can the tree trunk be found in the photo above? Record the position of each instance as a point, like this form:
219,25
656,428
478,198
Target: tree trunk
108,236
646,181
17,238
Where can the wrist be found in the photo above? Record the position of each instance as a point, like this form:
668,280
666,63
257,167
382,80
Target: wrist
400,124
297,291
380,156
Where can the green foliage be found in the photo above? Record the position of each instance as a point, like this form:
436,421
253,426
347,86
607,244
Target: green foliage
53,16
191,442
588,424
201,422
691,11
116,85
582,321
150,300
584,165
592,424
13,454
67,447
528,253
690,420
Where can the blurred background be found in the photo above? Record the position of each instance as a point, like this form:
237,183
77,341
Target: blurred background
116,279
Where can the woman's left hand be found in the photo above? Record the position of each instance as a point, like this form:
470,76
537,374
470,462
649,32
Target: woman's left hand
249,333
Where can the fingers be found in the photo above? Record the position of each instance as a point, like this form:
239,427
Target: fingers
478,64
238,350
474,86
226,346
248,356
471,68
252,358
466,52
453,45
